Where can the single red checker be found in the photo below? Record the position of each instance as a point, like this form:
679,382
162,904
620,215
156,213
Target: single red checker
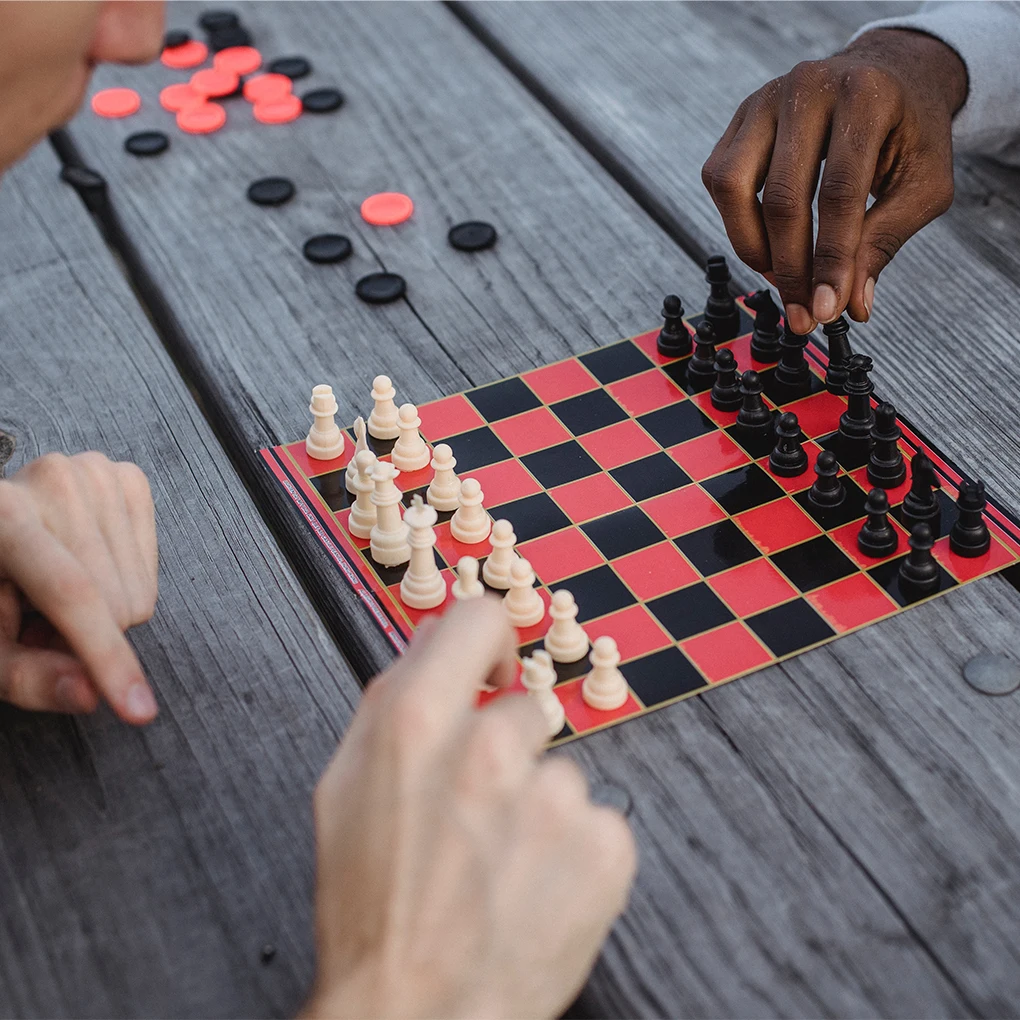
277,111
190,54
846,538
266,87
646,392
203,119
852,602
590,497
727,652
448,417
752,587
179,97
709,455
417,615
504,482
531,431
562,554
618,444
310,467
723,418
239,59
966,569
559,381
451,550
214,82
895,495
818,414
634,629
648,342
583,718
683,510
116,102
386,209
798,483
653,571
777,525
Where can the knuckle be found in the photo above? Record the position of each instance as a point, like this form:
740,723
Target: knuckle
729,182
886,244
55,471
134,482
560,792
840,192
867,81
91,460
782,203
806,77
832,254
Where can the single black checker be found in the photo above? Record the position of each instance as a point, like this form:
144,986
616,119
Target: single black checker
624,532
327,248
292,67
619,360
755,444
676,423
503,399
560,464
146,143
947,518
662,676
888,576
381,288
477,448
814,563
851,454
589,411
790,627
331,486
780,394
597,592
651,476
690,611
849,510
322,101
533,516
742,488
717,547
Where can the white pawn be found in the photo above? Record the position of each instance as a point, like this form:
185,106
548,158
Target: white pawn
538,679
389,538
325,440
364,512
444,490
605,687
382,422
422,586
470,524
522,601
361,444
565,640
467,586
411,453
496,571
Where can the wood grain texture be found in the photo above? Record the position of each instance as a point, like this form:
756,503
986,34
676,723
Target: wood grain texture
142,871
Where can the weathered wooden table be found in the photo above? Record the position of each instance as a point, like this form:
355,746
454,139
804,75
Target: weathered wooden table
836,836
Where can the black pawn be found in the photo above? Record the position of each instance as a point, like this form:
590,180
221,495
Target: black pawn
828,489
792,372
788,458
838,335
674,338
857,420
753,415
919,573
701,367
969,535
886,466
720,309
726,394
877,537
765,338
921,505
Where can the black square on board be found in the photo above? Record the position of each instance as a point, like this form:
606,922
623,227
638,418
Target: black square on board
756,443
940,527
650,476
829,517
533,516
558,465
742,488
624,532
850,453
597,592
717,547
589,411
477,448
676,423
502,399
790,627
662,676
780,394
814,563
619,360
564,670
333,489
888,576
690,611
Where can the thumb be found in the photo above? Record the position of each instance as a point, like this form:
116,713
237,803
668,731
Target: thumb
41,680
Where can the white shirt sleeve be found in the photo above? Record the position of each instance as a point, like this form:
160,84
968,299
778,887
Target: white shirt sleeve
986,35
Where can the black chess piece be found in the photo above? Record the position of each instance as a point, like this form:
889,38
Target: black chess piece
674,340
753,415
726,394
828,489
886,466
765,338
838,335
788,458
969,535
919,572
921,505
792,372
877,537
720,308
856,422
701,373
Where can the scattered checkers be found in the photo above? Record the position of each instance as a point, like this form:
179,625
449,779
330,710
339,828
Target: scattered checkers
472,236
176,37
380,288
271,191
188,54
179,97
217,20
267,87
203,119
281,110
116,102
146,143
322,100
213,82
292,67
239,59
326,248
386,209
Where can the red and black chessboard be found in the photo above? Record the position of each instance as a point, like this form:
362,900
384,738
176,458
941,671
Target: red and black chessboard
661,519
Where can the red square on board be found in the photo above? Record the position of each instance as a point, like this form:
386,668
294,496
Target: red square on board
634,630
647,391
852,602
818,414
562,554
683,510
648,342
777,525
895,495
799,482
726,652
503,482
448,417
964,569
557,382
585,719
344,518
311,467
451,550
619,444
590,497
722,418
752,587
408,481
531,431
846,538
417,615
656,570
515,690
741,348
708,455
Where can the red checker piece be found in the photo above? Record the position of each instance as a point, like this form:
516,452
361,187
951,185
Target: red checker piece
531,431
683,510
618,444
386,209
239,59
554,557
557,382
503,482
451,550
964,569
634,629
190,54
116,102
852,602
214,82
590,497
203,119
448,417
646,392
818,414
653,571
727,652
582,717
179,97
752,587
277,111
266,87
708,455
417,615
777,525
846,538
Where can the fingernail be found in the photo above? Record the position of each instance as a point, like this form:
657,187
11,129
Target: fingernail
799,319
72,693
824,303
869,295
139,702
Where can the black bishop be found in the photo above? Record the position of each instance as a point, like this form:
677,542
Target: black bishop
765,338
886,466
792,372
856,422
838,335
720,309
921,505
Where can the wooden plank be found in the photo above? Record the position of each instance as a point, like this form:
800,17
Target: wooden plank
142,871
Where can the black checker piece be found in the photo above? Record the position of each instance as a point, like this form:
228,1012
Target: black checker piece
888,576
560,464
690,611
477,448
662,676
790,627
503,399
618,361
624,532
742,488
814,563
851,509
650,476
717,547
597,592
589,411
676,423
533,516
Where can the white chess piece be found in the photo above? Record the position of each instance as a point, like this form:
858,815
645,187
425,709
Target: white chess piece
470,524
325,440
410,453
522,601
444,490
389,538
605,687
496,571
422,586
364,512
361,443
565,640
538,679
467,586
382,422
